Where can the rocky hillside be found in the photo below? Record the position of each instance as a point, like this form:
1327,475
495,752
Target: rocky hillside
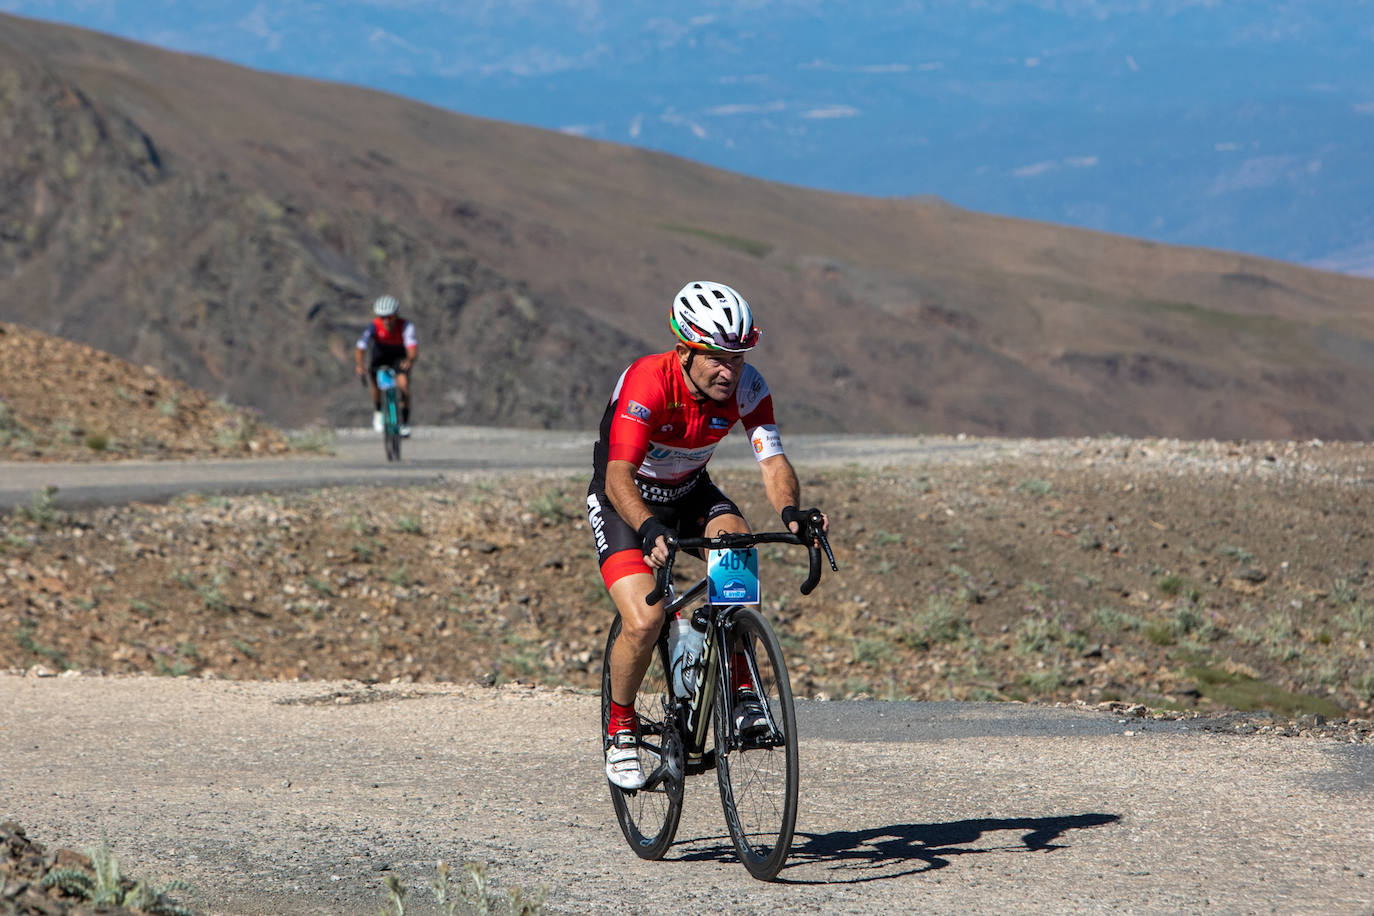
230,227
66,401
1188,575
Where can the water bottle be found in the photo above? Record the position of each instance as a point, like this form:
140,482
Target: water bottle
685,644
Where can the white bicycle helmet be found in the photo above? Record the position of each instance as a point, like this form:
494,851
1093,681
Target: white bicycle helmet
385,305
713,316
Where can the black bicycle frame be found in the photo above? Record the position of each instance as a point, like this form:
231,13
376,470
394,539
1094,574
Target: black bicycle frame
693,714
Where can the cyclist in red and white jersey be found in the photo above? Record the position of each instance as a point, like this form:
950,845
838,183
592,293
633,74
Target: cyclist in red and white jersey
391,339
666,415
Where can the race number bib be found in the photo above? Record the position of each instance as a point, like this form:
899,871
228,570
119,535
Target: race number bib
733,576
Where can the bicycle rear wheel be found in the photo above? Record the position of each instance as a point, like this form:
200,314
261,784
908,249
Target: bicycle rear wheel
758,775
649,816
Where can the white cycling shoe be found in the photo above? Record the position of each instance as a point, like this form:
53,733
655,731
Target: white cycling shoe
376,421
405,431
750,719
622,761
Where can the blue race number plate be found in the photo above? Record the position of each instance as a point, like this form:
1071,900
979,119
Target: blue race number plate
733,576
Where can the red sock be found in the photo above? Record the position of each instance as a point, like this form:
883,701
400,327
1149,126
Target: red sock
622,719
739,672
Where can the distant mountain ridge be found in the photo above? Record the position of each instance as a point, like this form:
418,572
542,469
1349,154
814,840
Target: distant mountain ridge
230,228
1239,126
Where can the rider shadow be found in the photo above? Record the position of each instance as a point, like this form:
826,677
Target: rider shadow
909,849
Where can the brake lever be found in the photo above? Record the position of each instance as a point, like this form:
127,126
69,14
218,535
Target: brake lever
812,531
815,525
662,579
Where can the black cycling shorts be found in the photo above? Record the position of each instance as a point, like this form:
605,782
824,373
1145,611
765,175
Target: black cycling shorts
384,355
619,552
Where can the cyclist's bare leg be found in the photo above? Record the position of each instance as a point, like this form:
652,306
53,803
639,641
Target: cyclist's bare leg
640,623
639,627
726,524
403,382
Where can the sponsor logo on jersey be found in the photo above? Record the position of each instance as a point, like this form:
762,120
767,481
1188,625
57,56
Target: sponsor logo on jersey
719,423
758,445
665,453
637,410
653,492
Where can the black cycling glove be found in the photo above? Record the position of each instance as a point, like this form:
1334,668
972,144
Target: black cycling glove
792,514
650,532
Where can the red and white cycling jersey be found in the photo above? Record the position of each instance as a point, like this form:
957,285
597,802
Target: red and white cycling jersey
402,335
654,422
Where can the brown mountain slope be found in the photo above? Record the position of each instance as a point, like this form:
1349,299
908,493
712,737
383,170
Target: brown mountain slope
229,226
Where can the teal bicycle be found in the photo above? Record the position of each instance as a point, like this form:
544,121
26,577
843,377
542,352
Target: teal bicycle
391,412
755,758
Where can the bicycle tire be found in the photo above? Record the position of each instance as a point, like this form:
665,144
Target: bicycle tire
648,817
392,427
758,777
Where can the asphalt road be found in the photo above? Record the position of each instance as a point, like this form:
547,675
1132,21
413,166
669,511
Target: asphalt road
433,454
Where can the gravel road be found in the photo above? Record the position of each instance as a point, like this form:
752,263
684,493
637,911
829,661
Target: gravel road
299,798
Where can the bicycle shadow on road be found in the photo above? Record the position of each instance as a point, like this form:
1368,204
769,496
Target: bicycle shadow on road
915,848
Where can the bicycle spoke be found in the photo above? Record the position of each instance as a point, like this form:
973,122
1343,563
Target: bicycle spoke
758,775
648,816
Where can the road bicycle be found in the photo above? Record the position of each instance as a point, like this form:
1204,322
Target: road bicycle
755,769
391,412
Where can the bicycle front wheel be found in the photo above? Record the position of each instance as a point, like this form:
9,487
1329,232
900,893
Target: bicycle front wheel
392,434
756,761
649,816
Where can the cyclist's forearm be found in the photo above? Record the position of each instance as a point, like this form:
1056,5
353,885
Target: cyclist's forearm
624,494
780,482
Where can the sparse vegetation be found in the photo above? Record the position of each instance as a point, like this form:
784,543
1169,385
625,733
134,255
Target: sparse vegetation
737,243
318,439
469,896
1242,556
1175,585
102,885
42,509
1035,486
942,621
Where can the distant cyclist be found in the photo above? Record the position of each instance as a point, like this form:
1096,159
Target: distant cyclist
649,479
392,342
